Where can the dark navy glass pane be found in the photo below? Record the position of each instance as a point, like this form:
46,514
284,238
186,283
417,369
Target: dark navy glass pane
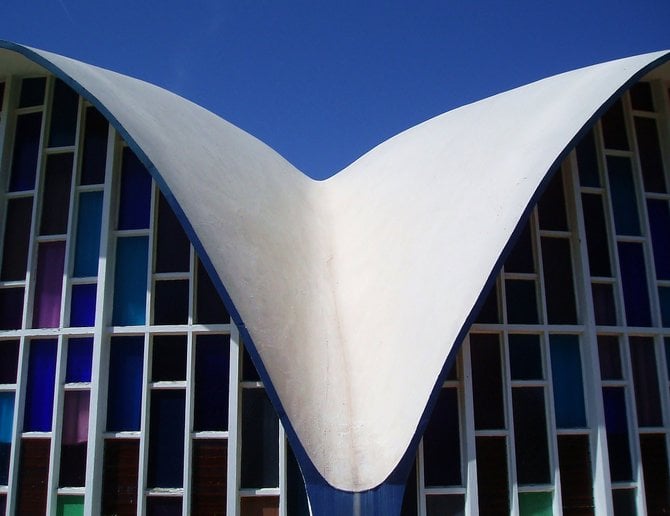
74,442
664,300
624,502
260,438
40,387
208,480
119,476
641,98
33,476
441,442
438,505
525,357
163,506
260,505
587,161
614,128
574,460
530,431
666,342
659,225
610,357
130,281
616,423
32,92
521,302
488,313
603,304
171,302
296,495
566,371
11,308
521,257
135,195
26,146
487,381
9,360
249,372
651,160
2,94
656,477
624,203
87,249
82,310
551,208
596,235
634,282
492,483
56,197
209,307
212,358
95,148
647,395
558,283
63,115
124,401
173,250
79,357
168,361
17,237
166,438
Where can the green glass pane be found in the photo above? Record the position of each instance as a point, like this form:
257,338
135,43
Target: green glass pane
535,504
70,506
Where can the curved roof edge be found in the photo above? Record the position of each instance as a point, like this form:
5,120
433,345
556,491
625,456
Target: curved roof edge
356,290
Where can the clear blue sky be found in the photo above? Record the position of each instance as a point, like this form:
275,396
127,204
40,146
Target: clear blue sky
324,82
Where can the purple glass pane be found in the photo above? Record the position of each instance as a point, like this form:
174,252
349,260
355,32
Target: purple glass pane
75,417
82,310
79,354
50,259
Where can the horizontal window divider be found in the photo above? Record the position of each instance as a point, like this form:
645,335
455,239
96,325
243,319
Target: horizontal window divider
171,275
77,386
71,491
261,491
603,280
644,114
251,385
447,490
520,276
90,188
7,387
652,430
120,233
573,431
46,332
554,233
28,110
84,281
528,383
451,384
492,433
617,152
592,189
631,238
4,489
614,383
122,435
536,488
624,485
168,385
663,283
165,491
20,194
223,329
59,150
210,435
36,435
12,284
657,195
51,238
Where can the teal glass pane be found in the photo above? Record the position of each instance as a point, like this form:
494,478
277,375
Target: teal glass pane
566,371
6,416
535,504
63,115
70,506
124,401
87,247
624,204
130,281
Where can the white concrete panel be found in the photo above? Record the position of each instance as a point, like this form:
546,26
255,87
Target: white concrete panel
354,289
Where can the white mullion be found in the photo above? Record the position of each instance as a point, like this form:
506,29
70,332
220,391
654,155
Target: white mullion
595,411
508,409
420,480
469,437
101,340
190,389
144,426
283,444
17,426
56,426
234,423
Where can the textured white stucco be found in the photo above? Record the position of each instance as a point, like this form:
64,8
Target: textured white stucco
354,289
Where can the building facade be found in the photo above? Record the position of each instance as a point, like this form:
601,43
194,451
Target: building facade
127,388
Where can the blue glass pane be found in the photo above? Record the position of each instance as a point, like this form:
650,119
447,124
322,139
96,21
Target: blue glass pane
135,195
130,281
124,401
82,311
40,388
566,371
87,248
6,416
32,92
441,442
212,356
659,224
664,300
634,282
624,204
63,115
26,145
616,423
525,357
166,439
79,354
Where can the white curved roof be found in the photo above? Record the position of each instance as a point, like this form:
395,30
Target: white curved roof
356,289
